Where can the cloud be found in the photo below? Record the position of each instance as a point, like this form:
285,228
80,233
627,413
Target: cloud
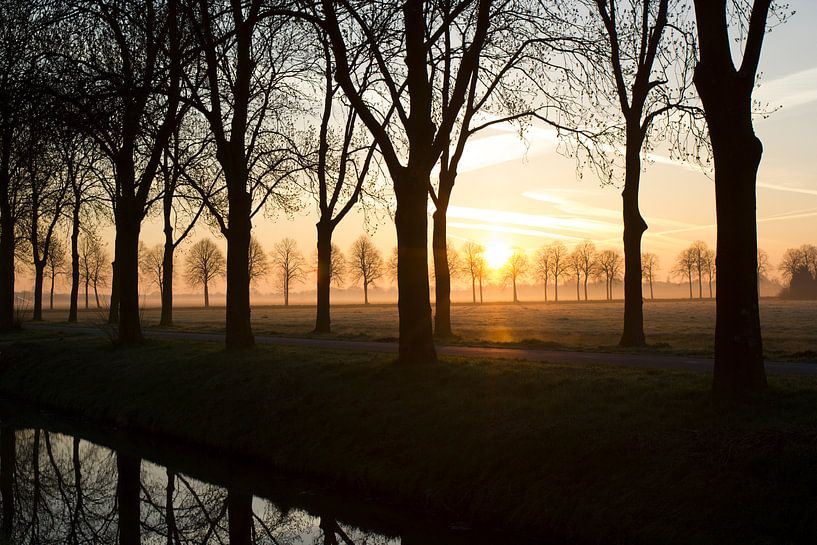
790,91
788,189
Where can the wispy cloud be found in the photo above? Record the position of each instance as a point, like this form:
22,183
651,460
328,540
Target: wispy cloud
791,90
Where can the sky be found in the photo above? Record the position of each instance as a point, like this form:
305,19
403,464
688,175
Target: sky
524,194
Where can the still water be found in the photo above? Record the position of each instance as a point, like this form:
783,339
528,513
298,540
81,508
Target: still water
65,482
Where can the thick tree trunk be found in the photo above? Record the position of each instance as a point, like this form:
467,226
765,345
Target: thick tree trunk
473,290
546,289
96,296
727,98
515,298
700,284
652,296
128,488
127,266
442,275
480,290
51,292
8,461
690,285
323,320
74,303
556,289
634,227
166,319
206,295
239,329
416,343
239,517
365,292
585,286
578,287
87,287
39,274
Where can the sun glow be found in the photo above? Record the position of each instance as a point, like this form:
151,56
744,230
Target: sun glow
497,253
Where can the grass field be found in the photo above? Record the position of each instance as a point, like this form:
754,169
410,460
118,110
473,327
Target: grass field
676,326
596,454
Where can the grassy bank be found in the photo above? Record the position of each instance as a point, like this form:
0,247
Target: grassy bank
601,454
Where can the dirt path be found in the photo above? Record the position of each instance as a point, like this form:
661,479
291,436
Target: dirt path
653,361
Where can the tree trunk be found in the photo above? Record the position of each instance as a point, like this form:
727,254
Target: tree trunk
473,290
39,272
480,290
74,303
578,286
365,292
515,298
127,267
170,512
87,286
416,343
239,328
726,95
585,286
166,319
113,310
690,285
51,294
546,289
206,295
96,295
634,227
442,275
239,517
556,289
128,488
652,296
700,284
8,461
323,320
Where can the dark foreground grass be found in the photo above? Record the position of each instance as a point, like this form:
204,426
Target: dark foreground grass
595,454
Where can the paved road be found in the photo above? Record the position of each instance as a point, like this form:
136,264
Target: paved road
654,361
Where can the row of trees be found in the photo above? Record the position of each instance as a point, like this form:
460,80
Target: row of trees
222,111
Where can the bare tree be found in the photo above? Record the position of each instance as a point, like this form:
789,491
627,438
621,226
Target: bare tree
638,76
803,258
585,256
709,268
258,262
337,265
649,265
474,263
763,267
365,264
57,262
404,39
246,87
542,267
205,263
94,263
608,266
699,252
288,266
559,263
726,93
684,266
516,269
152,264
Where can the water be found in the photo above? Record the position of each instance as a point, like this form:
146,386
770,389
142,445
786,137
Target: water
65,482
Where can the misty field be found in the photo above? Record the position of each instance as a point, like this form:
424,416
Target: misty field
677,326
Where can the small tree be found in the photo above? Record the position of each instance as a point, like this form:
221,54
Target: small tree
762,267
205,263
94,261
473,263
649,266
585,254
365,264
515,269
258,263
709,268
151,263
57,262
542,266
684,267
609,264
288,265
558,256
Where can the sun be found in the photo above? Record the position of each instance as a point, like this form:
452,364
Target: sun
497,254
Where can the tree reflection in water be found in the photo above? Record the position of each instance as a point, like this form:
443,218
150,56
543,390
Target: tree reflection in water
57,489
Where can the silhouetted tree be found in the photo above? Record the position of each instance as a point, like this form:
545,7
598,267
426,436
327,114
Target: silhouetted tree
365,264
639,80
288,265
542,267
608,266
247,90
128,486
94,262
699,253
404,40
151,264
258,262
473,263
515,269
799,267
57,260
684,267
585,256
649,265
205,263
726,93
763,267
559,263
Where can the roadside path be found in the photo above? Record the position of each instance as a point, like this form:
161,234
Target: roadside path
652,361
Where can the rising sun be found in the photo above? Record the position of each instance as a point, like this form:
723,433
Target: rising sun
497,254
